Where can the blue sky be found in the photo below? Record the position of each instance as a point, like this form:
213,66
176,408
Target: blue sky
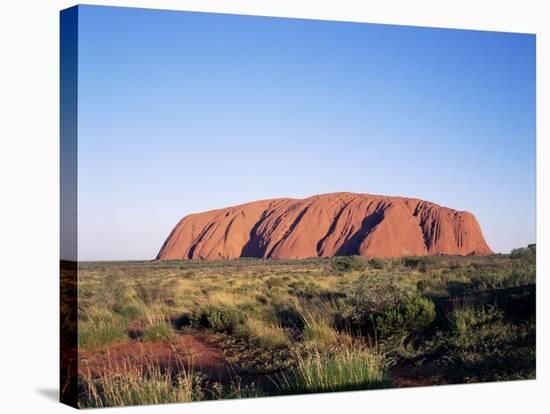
182,112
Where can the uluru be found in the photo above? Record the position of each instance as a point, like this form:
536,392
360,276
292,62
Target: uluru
335,224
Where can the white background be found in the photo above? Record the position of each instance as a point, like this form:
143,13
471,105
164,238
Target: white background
29,206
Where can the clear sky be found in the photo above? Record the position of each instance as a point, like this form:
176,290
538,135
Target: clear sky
184,112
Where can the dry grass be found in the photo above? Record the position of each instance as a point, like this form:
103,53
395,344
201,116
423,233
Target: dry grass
98,326
350,367
318,331
292,314
138,385
265,334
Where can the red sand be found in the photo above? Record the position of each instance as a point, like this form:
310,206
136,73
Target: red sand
199,352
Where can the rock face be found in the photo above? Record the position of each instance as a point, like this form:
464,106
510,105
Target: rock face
326,225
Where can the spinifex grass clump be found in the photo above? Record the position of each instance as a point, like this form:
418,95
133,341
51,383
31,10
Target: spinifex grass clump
139,386
319,332
131,311
351,367
465,318
98,326
157,327
264,334
162,331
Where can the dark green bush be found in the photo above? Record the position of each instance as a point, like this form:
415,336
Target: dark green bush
518,276
414,317
411,261
376,263
221,318
527,254
521,277
373,294
347,263
414,262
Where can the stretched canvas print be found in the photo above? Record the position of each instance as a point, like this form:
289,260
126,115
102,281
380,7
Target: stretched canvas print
256,206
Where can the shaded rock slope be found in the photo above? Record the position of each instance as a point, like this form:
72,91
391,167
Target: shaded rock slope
326,225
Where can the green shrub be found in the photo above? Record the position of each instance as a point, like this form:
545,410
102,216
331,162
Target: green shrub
411,261
527,254
221,318
376,263
520,275
485,346
414,262
411,318
347,263
464,318
374,294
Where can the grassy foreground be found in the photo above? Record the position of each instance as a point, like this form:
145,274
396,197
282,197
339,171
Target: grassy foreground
272,327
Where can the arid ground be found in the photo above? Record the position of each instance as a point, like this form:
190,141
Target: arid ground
173,331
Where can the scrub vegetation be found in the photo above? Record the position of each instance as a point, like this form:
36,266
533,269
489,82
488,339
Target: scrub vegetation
172,331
